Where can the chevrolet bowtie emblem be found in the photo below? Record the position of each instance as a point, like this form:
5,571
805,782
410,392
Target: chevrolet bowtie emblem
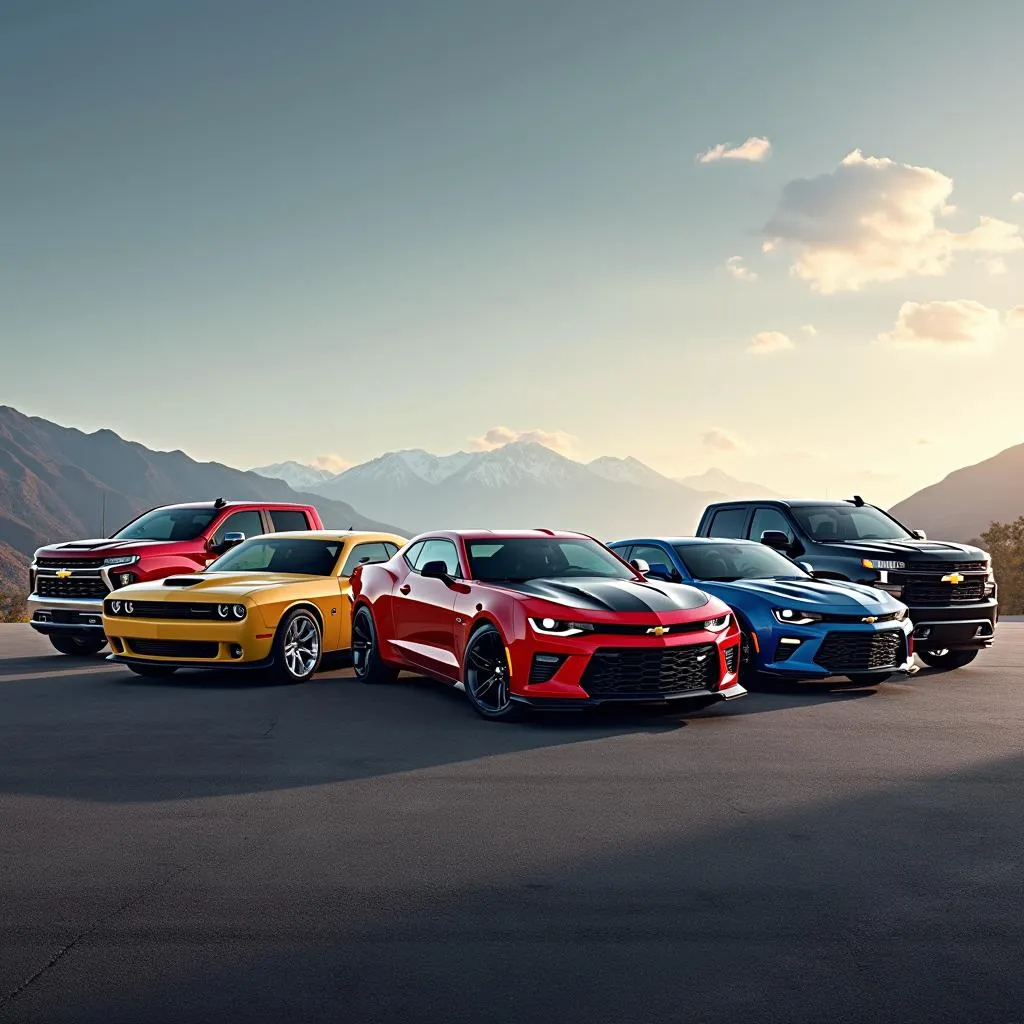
869,618
658,630
63,573
953,577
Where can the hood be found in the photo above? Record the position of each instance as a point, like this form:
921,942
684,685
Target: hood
104,547
826,596
601,595
211,586
908,550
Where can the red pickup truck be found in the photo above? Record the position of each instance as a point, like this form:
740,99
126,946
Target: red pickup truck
69,581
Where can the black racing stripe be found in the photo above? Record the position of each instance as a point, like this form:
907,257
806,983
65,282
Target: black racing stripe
614,595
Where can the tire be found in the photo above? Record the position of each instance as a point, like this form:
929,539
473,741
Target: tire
485,675
76,646
298,647
366,660
153,671
947,660
869,678
749,677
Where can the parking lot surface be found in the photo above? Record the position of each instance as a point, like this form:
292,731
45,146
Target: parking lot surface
215,848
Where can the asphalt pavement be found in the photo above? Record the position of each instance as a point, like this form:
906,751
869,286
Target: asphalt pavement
215,848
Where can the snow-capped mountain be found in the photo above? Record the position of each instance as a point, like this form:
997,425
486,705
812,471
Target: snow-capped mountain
630,471
717,481
295,474
398,469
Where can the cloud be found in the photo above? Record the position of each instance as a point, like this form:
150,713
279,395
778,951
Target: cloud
996,265
330,462
1018,197
923,441
754,150
720,442
1015,317
769,341
810,330
734,264
556,440
873,219
961,322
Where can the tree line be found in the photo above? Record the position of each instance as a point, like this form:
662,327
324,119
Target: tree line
1005,543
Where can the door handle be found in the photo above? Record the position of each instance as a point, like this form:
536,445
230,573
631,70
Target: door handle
405,589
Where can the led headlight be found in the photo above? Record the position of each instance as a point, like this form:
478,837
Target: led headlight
121,560
876,563
223,610
717,625
902,614
559,627
115,607
128,608
793,617
238,611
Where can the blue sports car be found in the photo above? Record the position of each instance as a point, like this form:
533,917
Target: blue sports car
794,626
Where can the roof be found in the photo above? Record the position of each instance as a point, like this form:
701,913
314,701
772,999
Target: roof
360,535
792,502
538,534
231,503
684,540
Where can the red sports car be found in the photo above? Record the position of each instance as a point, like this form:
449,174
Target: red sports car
543,619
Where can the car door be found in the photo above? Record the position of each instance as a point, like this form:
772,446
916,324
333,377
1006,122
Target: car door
424,609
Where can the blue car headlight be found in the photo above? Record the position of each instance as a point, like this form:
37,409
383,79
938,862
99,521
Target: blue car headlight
795,617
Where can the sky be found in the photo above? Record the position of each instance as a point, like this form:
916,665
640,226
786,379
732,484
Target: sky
780,239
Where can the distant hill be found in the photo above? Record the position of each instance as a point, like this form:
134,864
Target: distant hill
57,484
728,487
963,505
297,476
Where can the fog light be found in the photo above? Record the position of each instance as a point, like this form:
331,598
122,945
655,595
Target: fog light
923,632
42,616
236,650
125,579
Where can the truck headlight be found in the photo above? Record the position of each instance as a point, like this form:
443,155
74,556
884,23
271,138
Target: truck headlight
121,560
882,563
794,617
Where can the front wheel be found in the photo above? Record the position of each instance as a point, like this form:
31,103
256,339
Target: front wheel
78,646
487,676
366,660
153,671
297,647
947,659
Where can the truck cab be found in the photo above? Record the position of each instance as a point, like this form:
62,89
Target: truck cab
949,588
68,582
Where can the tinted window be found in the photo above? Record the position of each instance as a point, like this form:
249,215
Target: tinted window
440,551
726,562
169,524
282,520
413,554
392,549
848,522
728,522
361,554
249,522
280,554
769,519
527,558
652,556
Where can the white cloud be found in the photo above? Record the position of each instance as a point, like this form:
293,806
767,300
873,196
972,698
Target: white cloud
734,264
330,462
995,266
556,440
769,341
721,442
754,150
1015,317
873,219
810,330
1018,197
959,323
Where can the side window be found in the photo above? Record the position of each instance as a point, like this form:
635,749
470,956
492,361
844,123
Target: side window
248,522
769,519
653,556
439,551
728,522
413,554
363,553
392,549
284,519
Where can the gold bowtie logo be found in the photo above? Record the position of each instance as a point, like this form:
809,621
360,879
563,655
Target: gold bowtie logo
658,630
870,618
63,573
953,577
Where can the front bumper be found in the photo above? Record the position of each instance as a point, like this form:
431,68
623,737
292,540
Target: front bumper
955,627
138,640
66,615
702,697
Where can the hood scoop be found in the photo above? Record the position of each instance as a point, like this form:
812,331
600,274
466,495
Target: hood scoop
182,581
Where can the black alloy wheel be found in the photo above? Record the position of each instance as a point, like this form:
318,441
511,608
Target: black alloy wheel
366,659
487,676
78,646
946,659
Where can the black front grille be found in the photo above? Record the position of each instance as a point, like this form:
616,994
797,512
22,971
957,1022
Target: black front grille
167,610
861,652
69,563
919,592
617,629
884,617
941,568
651,672
174,648
544,666
71,586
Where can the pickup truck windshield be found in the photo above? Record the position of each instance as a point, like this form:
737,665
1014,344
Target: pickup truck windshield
168,524
841,523
726,562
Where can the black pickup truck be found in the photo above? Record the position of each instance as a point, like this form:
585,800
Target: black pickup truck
949,588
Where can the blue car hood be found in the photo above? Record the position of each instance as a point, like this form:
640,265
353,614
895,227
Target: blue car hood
835,596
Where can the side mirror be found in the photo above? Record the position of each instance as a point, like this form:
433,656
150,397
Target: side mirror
919,534
807,567
660,571
436,570
776,539
230,540
640,565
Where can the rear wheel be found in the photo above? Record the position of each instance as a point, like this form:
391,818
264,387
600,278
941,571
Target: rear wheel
945,659
153,671
78,646
297,647
366,659
487,677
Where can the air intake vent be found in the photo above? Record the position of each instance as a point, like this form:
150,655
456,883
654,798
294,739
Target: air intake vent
181,581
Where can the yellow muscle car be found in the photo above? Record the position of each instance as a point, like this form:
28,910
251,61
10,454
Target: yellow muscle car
279,602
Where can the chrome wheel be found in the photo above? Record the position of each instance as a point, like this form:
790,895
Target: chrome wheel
301,646
487,674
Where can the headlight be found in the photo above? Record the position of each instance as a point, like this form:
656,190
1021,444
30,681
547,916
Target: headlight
121,560
902,614
719,624
793,617
128,607
559,627
875,563
224,610
238,610
115,607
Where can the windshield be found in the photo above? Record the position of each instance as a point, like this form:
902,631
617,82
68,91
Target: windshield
848,522
723,563
268,554
529,558
168,524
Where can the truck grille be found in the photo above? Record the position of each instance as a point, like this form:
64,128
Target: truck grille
918,592
169,610
79,586
943,567
861,652
69,563
174,648
640,672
